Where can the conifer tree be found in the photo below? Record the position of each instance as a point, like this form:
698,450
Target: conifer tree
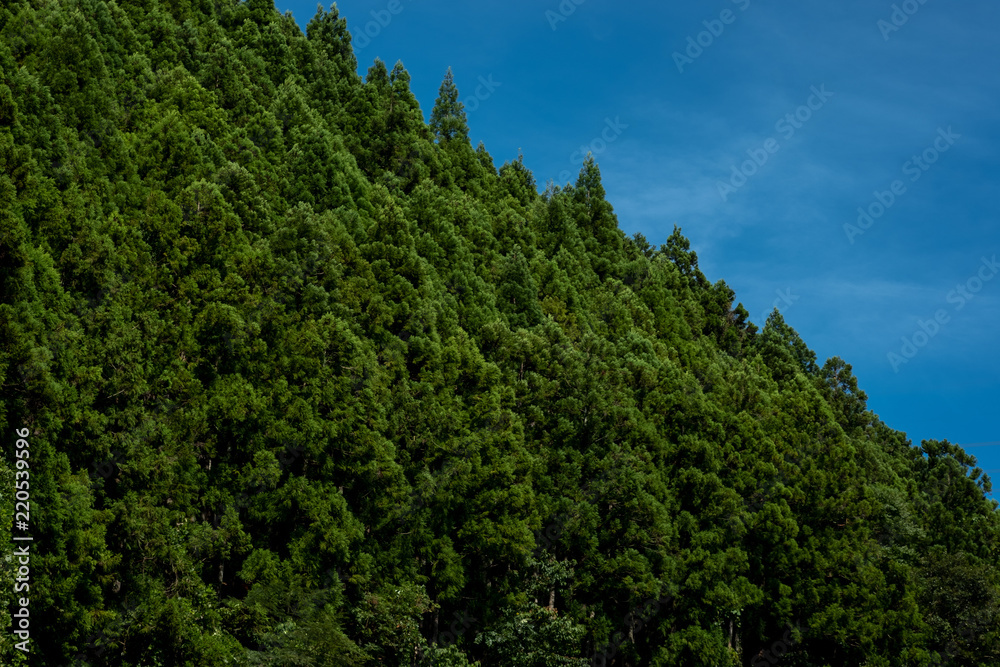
303,386
448,116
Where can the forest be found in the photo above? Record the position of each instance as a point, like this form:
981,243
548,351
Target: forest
307,380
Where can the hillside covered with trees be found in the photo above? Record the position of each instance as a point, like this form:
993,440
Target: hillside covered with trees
311,381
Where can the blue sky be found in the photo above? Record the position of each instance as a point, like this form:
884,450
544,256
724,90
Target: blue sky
761,128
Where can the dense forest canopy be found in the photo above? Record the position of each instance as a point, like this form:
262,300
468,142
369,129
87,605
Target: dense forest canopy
308,380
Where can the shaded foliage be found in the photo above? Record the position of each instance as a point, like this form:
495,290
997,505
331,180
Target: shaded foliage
309,381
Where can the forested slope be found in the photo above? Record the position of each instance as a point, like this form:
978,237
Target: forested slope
310,381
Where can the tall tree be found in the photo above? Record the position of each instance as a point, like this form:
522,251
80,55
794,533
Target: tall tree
308,381
448,116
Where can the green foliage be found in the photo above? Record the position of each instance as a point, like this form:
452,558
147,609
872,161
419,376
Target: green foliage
533,636
448,115
310,381
298,626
